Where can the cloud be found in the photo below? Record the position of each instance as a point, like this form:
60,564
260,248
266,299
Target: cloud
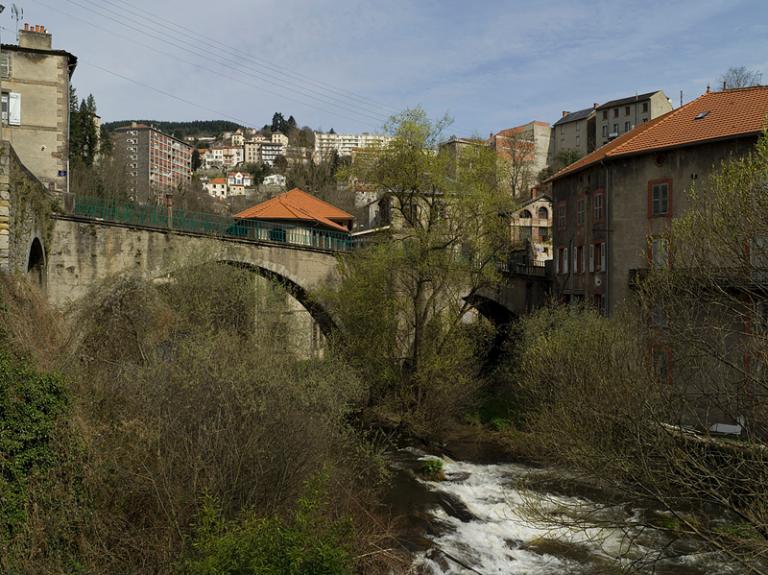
492,64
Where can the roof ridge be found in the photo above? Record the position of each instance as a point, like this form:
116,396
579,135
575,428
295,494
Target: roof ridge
659,121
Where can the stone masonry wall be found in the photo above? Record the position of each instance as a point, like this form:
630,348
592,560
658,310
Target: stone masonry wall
25,208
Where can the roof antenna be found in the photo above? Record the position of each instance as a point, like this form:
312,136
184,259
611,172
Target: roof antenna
708,88
725,85
681,98
18,15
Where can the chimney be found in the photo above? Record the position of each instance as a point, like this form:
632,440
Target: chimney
565,113
35,37
595,105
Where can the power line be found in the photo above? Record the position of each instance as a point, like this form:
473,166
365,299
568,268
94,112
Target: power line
192,48
218,73
209,41
164,92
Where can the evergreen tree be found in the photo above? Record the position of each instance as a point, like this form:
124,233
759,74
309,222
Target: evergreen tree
292,125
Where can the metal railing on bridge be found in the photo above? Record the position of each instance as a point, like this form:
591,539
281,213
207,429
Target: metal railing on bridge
162,217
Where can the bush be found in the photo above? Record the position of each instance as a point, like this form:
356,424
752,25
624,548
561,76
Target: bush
308,544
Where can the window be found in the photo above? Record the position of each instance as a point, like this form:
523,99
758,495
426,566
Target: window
627,127
543,213
562,260
615,112
605,130
599,302
659,252
525,215
658,198
616,128
598,205
5,65
644,119
543,234
597,259
627,110
579,260
11,108
578,140
605,114
580,211
645,106
561,215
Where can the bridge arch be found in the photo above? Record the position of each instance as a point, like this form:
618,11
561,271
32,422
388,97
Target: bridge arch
36,267
316,310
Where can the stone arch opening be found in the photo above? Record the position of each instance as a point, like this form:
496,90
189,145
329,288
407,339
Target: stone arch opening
316,310
36,262
501,318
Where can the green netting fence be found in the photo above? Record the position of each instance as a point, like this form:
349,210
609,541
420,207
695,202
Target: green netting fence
162,217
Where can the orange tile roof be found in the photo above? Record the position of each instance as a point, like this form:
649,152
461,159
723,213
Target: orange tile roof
297,204
722,115
217,181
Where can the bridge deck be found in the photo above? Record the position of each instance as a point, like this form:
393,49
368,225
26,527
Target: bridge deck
212,225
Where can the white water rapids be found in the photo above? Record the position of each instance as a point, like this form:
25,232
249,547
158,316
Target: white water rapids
482,528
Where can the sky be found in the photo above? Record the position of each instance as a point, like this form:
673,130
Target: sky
351,64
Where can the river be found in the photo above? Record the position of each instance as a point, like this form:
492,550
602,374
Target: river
475,521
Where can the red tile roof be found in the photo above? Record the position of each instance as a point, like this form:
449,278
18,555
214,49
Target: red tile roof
713,116
298,205
217,181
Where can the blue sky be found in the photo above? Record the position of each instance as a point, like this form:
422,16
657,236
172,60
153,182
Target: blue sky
348,64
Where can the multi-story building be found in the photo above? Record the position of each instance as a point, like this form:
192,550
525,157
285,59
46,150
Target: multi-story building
532,229
344,144
269,151
574,134
223,156
35,104
526,150
613,206
618,117
157,163
238,183
217,188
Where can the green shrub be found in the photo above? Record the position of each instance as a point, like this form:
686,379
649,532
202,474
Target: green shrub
432,470
310,543
30,404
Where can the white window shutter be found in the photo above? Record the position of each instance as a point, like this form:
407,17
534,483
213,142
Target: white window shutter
14,109
592,257
603,259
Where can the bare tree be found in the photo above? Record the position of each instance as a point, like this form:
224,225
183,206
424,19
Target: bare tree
740,77
517,151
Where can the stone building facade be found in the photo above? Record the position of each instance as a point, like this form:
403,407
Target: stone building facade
620,116
612,206
35,81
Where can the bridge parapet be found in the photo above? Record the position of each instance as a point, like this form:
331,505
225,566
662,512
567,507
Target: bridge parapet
169,218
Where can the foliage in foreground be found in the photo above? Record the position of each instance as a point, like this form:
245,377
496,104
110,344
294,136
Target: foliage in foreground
311,542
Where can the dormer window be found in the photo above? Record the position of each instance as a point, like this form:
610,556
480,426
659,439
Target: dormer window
702,115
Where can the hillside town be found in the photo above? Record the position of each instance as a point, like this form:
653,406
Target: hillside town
228,349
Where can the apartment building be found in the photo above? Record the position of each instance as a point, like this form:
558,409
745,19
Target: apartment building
575,133
620,116
35,97
157,163
527,151
344,144
613,205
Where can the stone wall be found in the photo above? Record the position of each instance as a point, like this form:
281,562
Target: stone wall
25,214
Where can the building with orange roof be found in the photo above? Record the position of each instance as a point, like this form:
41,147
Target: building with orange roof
613,205
217,187
299,218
